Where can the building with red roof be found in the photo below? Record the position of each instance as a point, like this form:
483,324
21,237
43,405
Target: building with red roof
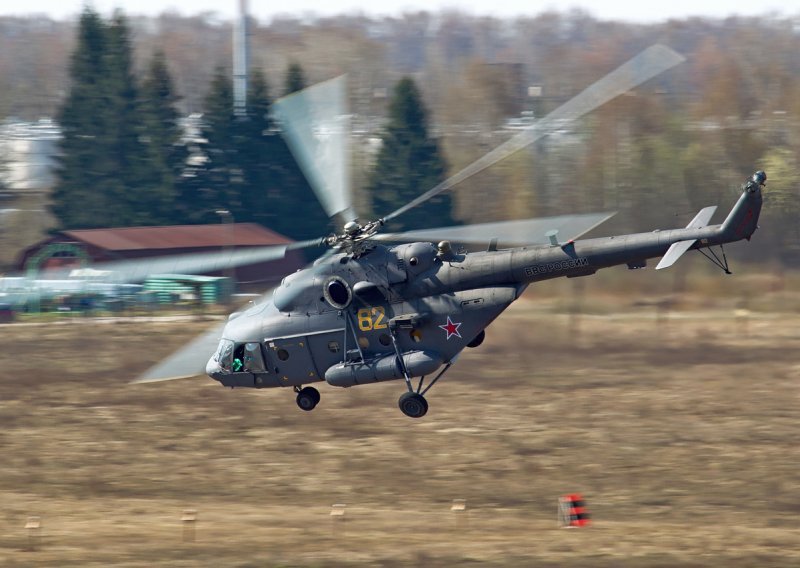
93,246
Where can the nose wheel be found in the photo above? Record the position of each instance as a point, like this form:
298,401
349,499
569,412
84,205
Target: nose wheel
413,404
308,398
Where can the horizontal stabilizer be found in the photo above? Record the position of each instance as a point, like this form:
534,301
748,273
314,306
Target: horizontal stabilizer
701,219
675,252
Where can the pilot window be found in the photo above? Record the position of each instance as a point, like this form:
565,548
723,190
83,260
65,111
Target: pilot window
241,358
224,355
238,359
253,361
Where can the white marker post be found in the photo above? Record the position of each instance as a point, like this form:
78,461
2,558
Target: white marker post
459,510
189,520
34,528
337,518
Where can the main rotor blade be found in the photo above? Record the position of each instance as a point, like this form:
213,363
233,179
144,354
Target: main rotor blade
316,126
651,62
138,270
520,232
188,361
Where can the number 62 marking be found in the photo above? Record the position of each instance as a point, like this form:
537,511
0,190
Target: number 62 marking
371,318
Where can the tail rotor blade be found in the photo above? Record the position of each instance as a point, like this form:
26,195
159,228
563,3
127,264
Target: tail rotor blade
651,62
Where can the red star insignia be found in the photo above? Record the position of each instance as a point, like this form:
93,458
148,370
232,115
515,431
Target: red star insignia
451,328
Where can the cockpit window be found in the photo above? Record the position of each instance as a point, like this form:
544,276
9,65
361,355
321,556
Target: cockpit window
253,358
224,355
241,358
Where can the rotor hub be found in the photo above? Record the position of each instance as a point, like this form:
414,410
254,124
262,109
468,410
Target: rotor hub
355,238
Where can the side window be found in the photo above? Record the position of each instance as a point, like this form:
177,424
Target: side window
253,358
238,359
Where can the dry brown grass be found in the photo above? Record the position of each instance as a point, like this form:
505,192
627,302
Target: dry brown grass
681,431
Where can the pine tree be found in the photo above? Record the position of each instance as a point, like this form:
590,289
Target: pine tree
250,171
221,177
295,79
77,199
254,154
102,163
409,163
128,180
295,209
166,154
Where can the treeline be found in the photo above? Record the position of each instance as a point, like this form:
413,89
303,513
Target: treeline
683,141
126,159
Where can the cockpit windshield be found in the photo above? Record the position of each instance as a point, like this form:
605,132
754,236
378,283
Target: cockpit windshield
241,358
224,355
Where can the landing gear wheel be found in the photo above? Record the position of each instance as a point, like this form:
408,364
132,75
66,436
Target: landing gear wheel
308,398
413,404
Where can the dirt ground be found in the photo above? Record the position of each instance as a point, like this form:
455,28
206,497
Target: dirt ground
678,423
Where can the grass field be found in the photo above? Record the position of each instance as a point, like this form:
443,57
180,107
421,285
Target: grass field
680,427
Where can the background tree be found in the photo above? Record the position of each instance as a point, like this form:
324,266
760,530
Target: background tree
735,99
76,199
165,151
128,183
102,166
221,178
249,169
256,153
409,163
275,192
782,203
295,79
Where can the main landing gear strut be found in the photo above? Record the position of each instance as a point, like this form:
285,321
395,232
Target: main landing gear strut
307,398
413,403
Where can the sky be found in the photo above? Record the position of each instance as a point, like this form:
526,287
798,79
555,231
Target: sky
643,11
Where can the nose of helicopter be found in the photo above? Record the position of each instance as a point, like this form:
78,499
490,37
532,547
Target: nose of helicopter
213,369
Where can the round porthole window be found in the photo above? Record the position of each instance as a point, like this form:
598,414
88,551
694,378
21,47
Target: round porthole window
283,355
385,339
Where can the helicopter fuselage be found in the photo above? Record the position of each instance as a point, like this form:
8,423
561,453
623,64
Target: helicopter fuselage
350,317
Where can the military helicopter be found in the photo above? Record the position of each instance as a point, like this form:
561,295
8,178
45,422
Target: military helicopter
369,311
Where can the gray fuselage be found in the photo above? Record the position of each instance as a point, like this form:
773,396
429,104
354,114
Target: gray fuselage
412,300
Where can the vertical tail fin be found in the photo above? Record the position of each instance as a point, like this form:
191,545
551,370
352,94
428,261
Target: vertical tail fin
742,221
